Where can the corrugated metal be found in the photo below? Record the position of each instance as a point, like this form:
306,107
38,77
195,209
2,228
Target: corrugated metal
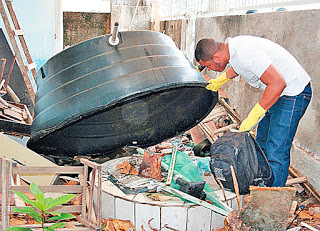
93,98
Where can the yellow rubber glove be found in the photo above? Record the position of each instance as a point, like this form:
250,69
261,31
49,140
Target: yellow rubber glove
253,117
215,84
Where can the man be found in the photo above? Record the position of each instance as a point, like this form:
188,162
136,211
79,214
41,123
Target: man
285,85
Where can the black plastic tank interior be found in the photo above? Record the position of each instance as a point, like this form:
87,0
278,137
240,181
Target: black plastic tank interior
94,97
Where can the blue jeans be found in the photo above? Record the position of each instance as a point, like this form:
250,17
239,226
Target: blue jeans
276,132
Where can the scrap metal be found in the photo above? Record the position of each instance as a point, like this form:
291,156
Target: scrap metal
151,166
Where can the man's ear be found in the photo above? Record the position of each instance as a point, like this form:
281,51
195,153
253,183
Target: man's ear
217,57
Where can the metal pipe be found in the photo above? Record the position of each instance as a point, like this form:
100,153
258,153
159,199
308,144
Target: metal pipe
134,14
113,39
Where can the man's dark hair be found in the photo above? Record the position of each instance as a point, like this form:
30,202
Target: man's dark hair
206,48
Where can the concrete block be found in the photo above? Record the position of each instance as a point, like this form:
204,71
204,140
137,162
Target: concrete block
268,208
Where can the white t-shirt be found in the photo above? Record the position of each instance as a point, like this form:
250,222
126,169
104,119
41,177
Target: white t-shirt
250,57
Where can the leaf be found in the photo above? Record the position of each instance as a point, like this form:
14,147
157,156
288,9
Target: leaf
22,196
55,213
60,200
48,229
57,225
62,216
30,211
18,229
40,206
26,199
37,192
48,202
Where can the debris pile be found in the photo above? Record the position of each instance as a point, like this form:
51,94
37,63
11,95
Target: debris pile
148,170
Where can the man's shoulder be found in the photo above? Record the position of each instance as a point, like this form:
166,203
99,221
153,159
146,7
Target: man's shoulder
246,38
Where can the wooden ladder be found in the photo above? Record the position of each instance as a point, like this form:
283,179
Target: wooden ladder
222,109
18,32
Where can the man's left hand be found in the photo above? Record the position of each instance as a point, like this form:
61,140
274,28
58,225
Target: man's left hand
253,118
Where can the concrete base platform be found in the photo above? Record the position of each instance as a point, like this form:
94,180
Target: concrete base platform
307,164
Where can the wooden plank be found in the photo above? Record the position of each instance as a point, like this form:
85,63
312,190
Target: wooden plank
298,180
8,178
211,137
236,187
226,128
15,109
4,199
91,215
47,170
33,226
2,106
17,200
213,116
2,83
6,182
4,102
87,223
30,118
13,95
232,113
292,211
52,188
10,118
13,114
84,184
307,185
89,163
60,209
99,196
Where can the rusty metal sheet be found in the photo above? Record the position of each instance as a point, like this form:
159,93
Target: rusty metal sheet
151,165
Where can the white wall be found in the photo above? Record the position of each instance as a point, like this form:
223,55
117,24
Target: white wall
97,6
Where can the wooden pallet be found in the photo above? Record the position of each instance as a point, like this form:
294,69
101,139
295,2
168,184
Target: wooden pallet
221,111
87,218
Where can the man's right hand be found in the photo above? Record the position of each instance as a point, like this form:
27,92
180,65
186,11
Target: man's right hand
215,84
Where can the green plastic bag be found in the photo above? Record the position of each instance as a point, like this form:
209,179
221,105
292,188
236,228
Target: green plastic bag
185,167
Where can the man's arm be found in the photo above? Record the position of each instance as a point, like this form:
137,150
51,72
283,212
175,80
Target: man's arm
231,73
275,85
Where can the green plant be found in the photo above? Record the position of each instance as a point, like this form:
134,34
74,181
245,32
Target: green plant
41,207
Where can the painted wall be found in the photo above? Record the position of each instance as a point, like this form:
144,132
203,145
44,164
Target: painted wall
36,18
299,33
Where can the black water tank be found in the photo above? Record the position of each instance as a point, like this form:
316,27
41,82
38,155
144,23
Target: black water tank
93,97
